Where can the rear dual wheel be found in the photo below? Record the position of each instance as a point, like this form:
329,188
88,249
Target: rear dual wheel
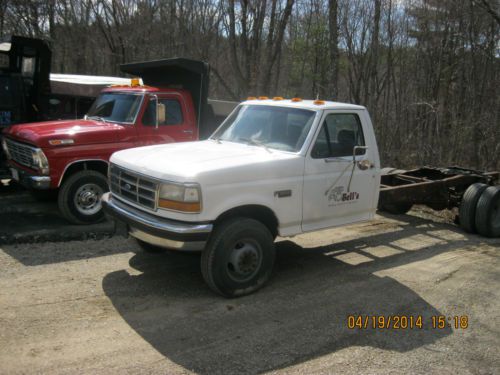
467,209
479,210
488,212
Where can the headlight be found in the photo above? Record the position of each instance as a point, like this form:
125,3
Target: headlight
177,197
40,161
5,148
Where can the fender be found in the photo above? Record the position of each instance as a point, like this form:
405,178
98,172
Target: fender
76,162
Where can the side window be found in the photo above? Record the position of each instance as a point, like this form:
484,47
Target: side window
340,133
173,113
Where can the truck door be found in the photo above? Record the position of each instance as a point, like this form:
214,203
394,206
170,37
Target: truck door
334,194
174,124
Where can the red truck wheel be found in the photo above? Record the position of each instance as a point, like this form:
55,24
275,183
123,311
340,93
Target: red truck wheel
239,257
80,197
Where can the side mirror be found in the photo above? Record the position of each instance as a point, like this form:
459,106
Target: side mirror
359,150
161,114
161,111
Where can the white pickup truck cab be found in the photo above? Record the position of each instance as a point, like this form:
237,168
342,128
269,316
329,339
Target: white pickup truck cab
273,168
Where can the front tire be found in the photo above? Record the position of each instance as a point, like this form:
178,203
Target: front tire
239,257
80,197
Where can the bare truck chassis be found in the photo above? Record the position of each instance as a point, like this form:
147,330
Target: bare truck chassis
437,188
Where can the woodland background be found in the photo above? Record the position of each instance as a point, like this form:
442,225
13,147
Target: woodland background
428,70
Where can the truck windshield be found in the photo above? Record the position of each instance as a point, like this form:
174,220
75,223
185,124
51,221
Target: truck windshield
280,128
116,107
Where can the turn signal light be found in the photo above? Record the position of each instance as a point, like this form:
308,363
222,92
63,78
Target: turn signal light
60,142
179,206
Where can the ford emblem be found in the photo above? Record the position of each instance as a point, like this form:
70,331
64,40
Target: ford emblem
127,186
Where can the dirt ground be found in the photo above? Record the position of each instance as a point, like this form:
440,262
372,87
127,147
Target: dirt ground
103,306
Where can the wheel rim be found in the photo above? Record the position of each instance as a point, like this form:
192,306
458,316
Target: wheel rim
245,260
88,199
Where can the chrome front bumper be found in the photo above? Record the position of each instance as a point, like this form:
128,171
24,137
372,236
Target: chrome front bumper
156,230
29,180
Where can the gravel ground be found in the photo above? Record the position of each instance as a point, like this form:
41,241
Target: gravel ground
105,307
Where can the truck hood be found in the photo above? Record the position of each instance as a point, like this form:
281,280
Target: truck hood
81,131
209,162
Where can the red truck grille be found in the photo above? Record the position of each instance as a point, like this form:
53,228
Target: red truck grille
20,153
132,187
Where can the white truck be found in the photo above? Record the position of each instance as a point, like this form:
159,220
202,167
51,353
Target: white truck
273,168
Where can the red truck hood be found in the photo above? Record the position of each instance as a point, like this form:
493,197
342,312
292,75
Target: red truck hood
81,131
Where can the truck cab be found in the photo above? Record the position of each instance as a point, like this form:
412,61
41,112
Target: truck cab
275,167
72,156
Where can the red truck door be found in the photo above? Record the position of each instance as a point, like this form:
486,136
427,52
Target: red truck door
177,126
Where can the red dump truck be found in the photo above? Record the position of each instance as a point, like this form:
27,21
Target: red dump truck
72,155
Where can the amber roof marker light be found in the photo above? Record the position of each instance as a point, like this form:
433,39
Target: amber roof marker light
295,100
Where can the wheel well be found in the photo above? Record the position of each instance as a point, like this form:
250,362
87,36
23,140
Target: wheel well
260,213
94,165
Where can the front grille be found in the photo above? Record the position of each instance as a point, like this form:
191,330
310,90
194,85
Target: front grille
20,153
133,187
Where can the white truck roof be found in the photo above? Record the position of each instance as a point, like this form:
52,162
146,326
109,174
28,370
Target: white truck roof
304,104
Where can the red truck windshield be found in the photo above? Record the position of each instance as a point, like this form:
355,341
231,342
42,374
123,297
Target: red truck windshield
116,107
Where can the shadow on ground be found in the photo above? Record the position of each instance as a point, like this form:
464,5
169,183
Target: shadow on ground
300,315
60,252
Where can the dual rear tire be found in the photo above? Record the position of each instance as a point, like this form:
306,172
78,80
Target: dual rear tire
479,211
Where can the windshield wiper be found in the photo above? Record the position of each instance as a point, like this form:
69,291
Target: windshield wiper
216,139
255,143
98,118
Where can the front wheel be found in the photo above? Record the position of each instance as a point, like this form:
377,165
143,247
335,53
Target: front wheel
239,257
79,198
